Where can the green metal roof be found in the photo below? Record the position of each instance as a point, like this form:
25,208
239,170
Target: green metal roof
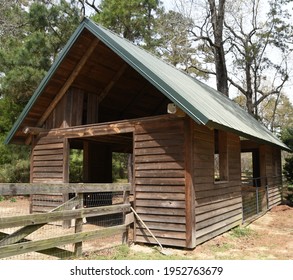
201,102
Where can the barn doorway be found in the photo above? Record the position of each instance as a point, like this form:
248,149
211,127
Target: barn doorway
254,192
106,159
250,167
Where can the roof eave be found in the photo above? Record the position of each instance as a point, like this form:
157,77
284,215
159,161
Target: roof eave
278,143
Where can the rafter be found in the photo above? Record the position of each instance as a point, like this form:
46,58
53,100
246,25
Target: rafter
68,83
114,80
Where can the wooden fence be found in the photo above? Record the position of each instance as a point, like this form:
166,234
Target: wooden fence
16,243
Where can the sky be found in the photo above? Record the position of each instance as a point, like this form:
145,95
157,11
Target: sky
288,88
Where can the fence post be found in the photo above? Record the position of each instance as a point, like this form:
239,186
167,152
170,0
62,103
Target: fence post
126,233
256,195
267,194
78,227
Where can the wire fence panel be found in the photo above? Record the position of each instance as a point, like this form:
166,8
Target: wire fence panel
254,201
259,195
87,222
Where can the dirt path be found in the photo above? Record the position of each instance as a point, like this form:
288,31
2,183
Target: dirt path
269,237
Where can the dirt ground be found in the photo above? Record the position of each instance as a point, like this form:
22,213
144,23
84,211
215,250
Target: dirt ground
270,237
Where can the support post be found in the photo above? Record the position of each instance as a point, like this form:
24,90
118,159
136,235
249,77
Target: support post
126,233
78,227
257,204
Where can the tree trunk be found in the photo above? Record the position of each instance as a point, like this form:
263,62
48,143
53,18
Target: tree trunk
217,18
249,90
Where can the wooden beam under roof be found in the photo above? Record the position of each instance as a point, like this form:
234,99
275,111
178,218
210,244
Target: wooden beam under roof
100,129
114,80
69,81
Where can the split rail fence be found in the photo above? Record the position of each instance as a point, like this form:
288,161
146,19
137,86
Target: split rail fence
93,212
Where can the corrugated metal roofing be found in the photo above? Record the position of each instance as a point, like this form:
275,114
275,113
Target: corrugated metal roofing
201,102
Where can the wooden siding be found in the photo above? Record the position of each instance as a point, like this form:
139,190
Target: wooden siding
271,163
68,112
159,172
75,108
48,161
218,205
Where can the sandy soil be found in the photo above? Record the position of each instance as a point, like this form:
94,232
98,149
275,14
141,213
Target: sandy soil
269,237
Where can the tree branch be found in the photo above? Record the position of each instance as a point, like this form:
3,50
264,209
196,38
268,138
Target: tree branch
202,70
92,4
242,90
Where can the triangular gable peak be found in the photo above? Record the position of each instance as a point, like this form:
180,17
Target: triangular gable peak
127,82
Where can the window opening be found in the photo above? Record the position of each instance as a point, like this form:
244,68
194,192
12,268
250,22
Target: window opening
220,156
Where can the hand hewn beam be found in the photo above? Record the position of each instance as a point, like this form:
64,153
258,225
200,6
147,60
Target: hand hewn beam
68,83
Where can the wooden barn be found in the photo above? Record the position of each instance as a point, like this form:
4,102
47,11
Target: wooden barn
104,94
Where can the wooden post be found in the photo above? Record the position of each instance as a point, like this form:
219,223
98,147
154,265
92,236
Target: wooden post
126,233
66,163
78,227
189,189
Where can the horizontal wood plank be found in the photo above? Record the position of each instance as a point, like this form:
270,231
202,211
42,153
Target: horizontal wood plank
163,218
33,246
159,151
165,241
161,233
157,189
160,196
161,203
160,173
160,181
160,211
174,227
34,219
210,229
62,188
160,166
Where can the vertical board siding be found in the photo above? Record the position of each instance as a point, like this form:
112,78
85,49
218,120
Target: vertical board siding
159,173
47,166
68,112
218,206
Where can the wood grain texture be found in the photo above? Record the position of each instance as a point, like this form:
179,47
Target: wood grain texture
160,179
218,205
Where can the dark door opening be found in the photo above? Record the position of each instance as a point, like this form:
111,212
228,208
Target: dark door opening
250,167
106,159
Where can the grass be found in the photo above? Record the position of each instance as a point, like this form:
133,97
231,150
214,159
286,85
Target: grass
12,199
239,232
221,248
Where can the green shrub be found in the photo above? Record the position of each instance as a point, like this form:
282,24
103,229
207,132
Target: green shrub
288,169
290,198
16,172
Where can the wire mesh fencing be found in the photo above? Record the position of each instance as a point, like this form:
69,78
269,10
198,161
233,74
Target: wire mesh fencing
254,202
43,228
259,195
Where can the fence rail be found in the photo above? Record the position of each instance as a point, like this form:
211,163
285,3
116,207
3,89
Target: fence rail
16,230
64,188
